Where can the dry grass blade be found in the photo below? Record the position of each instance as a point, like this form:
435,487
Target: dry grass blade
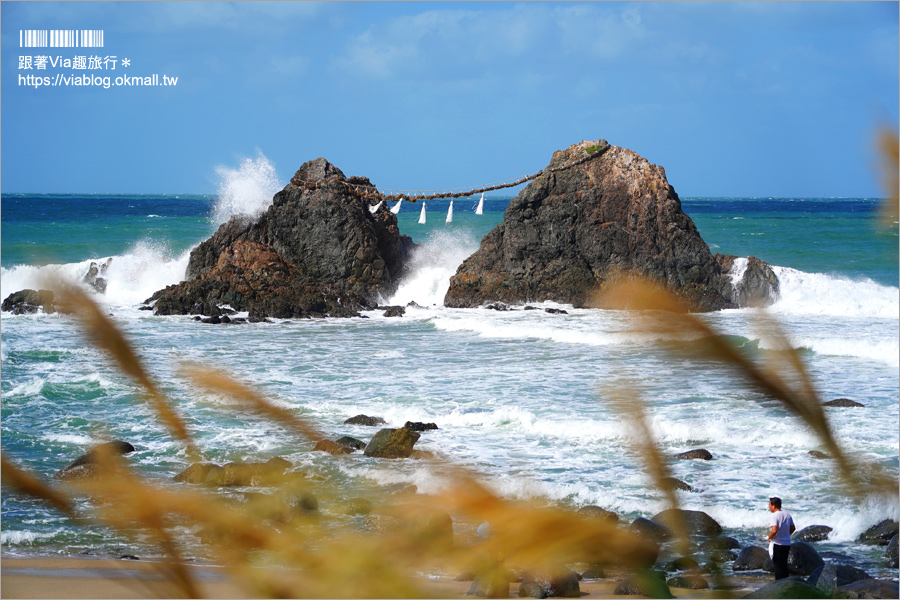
889,149
628,404
216,381
636,293
29,484
105,335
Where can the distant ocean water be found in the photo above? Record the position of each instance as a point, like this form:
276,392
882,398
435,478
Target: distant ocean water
518,396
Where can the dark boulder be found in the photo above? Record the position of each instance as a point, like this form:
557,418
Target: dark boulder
556,311
595,512
26,302
365,420
682,563
316,251
392,443
695,522
891,552
844,403
828,576
813,533
722,556
819,454
720,543
689,582
419,426
351,442
643,583
880,533
85,465
332,447
699,453
492,582
868,588
561,583
394,311
751,558
787,588
803,559
573,231
651,529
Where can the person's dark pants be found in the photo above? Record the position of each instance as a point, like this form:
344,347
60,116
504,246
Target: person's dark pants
780,559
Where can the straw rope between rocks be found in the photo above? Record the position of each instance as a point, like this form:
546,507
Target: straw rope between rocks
416,195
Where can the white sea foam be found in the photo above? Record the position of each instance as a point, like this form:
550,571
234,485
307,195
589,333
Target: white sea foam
820,294
23,538
247,190
431,267
883,350
69,438
32,388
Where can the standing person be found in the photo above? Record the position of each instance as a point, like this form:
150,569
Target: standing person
782,526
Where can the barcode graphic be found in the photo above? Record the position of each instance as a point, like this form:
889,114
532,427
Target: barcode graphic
60,38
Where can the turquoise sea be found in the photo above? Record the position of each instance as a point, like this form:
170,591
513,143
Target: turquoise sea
518,396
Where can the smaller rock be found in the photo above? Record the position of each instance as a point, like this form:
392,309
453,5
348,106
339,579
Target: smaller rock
365,420
720,543
556,311
129,557
696,522
682,563
643,584
787,588
394,311
828,577
412,304
78,473
594,572
498,306
212,320
891,552
492,582
880,533
28,301
819,454
751,558
676,484
722,556
690,582
699,453
91,457
560,584
595,512
813,533
392,443
651,529
530,308
332,447
145,308
868,588
351,442
196,473
844,403
419,426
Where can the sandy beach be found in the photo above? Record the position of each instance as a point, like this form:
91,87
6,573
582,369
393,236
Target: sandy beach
115,578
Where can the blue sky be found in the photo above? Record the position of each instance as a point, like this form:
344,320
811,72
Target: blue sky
733,99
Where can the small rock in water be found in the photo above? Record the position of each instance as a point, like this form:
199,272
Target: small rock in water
690,582
332,447
129,557
720,543
556,311
498,306
419,426
394,311
819,454
751,558
698,453
351,442
596,512
843,403
365,420
677,484
392,443
683,563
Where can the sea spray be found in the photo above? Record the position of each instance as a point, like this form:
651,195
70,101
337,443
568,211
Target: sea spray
247,190
821,294
432,266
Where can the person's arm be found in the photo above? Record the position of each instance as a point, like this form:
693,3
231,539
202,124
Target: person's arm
772,531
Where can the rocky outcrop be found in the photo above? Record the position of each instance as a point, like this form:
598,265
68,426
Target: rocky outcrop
365,420
880,533
317,251
844,403
96,276
699,453
753,281
26,302
236,474
595,512
571,232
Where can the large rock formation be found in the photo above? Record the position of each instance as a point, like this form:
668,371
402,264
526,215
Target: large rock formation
571,231
318,250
